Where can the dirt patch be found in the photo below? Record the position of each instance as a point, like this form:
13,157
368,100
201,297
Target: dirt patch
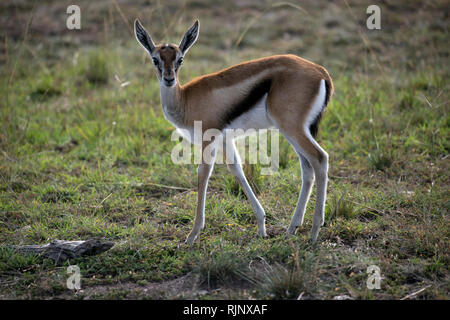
184,287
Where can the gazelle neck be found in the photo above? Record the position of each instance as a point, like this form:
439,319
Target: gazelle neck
172,104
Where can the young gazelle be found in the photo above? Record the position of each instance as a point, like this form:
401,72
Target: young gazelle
282,91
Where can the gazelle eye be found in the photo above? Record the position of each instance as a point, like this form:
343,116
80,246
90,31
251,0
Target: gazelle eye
155,61
180,61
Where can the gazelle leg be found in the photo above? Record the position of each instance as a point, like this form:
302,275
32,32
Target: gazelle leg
235,167
203,173
319,162
321,172
307,183
308,149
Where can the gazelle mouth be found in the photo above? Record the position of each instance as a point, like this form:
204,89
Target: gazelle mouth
169,82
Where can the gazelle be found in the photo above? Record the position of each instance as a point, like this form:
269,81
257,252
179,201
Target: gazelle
282,91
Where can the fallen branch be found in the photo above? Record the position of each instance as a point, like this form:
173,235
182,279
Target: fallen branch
374,211
61,250
409,296
167,187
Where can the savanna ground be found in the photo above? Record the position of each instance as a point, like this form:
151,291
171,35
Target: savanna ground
85,153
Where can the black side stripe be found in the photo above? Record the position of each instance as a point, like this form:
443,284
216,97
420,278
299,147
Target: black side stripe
314,127
249,101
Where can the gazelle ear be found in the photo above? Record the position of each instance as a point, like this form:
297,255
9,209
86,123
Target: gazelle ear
143,37
190,37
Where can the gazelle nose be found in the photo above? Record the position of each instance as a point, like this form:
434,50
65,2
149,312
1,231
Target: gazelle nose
169,82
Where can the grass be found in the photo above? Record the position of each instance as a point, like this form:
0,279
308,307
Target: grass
288,282
97,71
85,153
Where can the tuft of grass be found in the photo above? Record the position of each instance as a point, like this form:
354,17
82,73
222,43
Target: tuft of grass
53,195
45,88
380,160
340,207
408,99
287,282
12,261
97,71
217,266
382,157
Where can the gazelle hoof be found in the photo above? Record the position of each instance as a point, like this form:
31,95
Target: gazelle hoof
190,240
262,233
314,236
291,230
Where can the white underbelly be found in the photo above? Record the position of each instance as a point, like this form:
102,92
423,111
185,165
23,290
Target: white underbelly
256,118
246,124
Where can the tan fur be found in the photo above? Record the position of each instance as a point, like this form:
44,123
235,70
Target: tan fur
295,83
168,55
293,92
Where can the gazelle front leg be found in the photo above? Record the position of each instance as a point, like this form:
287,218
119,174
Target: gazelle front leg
203,173
235,167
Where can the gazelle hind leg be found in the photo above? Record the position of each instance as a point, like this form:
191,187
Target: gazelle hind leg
321,172
305,192
235,167
293,114
307,148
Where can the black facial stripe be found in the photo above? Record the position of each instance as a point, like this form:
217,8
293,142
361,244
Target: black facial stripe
248,102
178,63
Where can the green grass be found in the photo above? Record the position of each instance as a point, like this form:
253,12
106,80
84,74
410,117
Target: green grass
85,155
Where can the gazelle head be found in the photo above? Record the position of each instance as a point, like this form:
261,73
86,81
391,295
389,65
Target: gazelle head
167,58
